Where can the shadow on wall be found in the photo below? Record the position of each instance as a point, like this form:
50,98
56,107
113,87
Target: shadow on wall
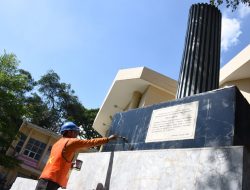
100,187
231,170
108,176
223,168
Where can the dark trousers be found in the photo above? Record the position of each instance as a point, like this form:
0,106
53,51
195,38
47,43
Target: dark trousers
45,184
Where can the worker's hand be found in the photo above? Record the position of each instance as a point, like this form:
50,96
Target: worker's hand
112,137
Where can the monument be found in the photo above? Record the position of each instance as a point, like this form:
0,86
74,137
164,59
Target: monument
201,57
198,141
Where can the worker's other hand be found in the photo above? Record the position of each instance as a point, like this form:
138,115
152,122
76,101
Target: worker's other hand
112,137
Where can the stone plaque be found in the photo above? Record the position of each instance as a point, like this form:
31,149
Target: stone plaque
173,123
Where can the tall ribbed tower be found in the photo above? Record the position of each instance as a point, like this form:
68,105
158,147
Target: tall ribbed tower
201,56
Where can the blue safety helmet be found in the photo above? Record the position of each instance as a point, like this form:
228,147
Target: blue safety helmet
69,126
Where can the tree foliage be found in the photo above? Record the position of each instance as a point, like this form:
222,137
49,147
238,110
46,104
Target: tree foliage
64,105
46,102
233,4
14,84
38,111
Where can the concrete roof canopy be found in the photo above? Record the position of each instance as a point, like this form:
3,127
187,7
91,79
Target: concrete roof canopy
130,80
125,83
238,68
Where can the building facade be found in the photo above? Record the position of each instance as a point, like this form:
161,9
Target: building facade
32,147
237,72
140,87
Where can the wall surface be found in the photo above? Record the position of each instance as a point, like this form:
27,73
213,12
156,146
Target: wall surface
222,120
24,184
243,85
169,169
154,95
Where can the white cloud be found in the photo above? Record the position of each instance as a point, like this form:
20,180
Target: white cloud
231,30
244,10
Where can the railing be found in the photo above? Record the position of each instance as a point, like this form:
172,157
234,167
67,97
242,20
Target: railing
28,161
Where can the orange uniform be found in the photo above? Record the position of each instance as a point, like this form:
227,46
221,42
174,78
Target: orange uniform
62,153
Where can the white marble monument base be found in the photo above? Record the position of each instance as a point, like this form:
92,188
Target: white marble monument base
174,169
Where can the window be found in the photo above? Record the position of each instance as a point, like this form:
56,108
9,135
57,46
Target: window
34,149
46,156
21,142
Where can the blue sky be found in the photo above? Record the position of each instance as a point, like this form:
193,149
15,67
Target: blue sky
87,41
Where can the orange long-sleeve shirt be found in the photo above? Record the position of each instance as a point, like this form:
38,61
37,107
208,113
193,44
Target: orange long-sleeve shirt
75,145
62,152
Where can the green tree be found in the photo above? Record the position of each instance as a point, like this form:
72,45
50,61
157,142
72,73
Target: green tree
64,105
14,84
37,111
49,107
230,3
88,130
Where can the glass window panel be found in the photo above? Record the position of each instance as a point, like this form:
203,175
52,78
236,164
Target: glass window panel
37,156
20,143
37,143
40,151
32,154
34,148
23,137
18,149
31,141
42,145
28,146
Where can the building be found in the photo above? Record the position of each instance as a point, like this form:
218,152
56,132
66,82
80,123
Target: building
133,88
33,148
237,72
139,87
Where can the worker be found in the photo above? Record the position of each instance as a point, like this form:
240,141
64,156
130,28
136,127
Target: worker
57,169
